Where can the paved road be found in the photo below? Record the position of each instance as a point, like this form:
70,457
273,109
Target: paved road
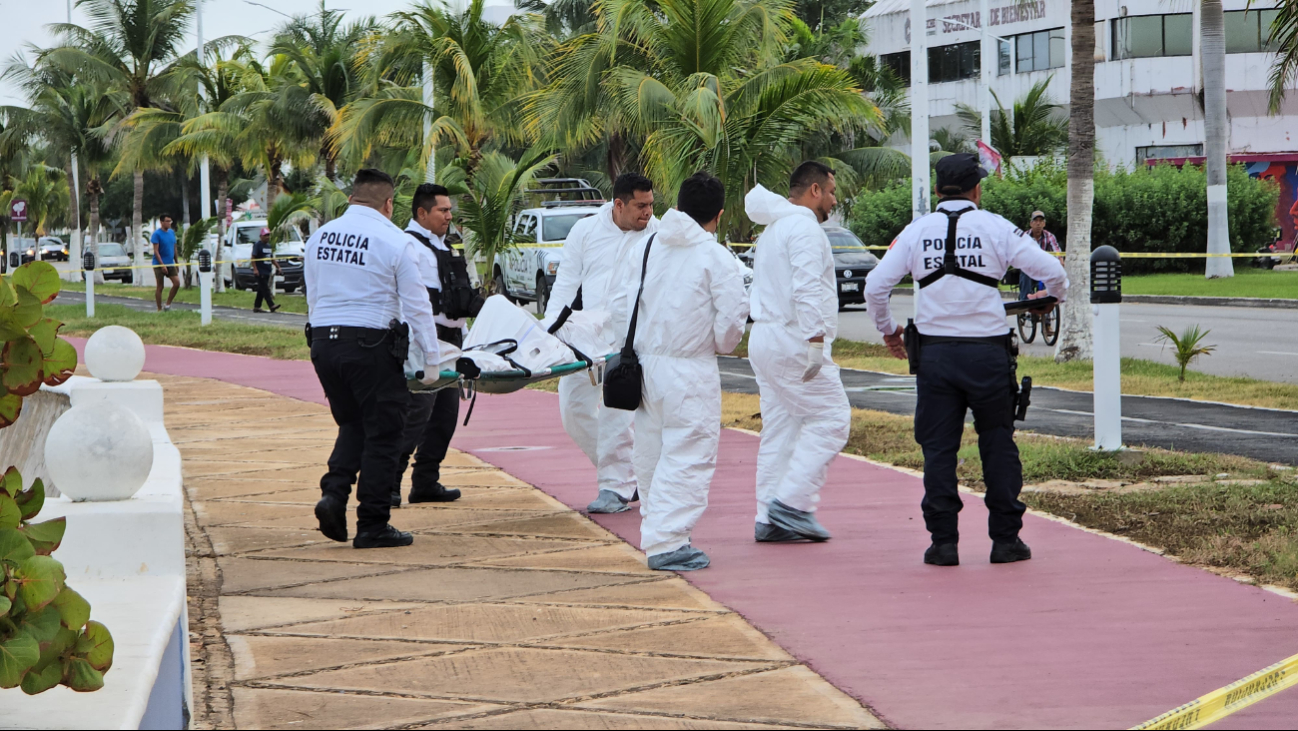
1251,341
1195,426
233,314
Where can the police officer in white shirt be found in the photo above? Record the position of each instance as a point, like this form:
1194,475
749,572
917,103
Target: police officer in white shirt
593,253
361,275
958,254
430,422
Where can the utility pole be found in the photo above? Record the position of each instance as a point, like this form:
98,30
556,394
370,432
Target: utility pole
430,173
988,55
74,246
919,108
205,182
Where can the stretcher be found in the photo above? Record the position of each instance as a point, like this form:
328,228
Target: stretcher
498,382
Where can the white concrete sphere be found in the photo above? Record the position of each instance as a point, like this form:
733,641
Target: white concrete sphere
115,353
99,451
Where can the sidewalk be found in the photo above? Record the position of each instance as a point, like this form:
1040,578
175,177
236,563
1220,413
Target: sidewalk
509,611
1092,633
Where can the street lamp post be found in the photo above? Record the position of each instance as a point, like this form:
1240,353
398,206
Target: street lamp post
919,108
204,181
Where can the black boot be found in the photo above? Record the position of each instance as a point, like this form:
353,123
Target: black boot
396,498
332,514
942,554
385,537
434,494
1010,552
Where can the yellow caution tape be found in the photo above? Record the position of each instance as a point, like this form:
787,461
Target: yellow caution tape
1214,706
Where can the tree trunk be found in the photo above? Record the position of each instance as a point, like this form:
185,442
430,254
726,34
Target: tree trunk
93,190
74,244
1216,127
222,190
137,226
1075,325
184,200
330,170
616,158
274,182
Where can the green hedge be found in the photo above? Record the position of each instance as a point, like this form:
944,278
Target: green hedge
1162,208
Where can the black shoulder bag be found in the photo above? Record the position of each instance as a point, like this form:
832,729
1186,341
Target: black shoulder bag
623,378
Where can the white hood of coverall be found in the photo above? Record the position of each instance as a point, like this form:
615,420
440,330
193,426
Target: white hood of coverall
765,207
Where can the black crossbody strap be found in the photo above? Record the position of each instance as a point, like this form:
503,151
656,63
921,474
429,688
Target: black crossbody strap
950,265
635,312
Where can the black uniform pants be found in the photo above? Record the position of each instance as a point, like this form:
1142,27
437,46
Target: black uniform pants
367,394
954,378
263,291
430,424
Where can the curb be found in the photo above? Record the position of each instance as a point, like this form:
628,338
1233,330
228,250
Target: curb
1167,299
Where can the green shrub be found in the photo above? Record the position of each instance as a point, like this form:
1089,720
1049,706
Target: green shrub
1151,209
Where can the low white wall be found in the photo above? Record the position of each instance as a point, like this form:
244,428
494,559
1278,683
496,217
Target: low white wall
127,558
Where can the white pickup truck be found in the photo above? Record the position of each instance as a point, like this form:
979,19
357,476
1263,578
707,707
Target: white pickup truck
526,271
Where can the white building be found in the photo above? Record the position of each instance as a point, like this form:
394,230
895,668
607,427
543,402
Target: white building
1147,74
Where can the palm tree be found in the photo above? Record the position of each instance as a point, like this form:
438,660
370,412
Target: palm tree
324,75
65,114
1031,129
128,48
705,85
1283,39
1216,135
1075,327
496,193
479,69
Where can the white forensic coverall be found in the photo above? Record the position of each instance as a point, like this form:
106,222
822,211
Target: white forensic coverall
794,298
693,307
590,257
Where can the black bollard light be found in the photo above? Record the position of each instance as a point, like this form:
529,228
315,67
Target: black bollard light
1106,276
204,260
15,260
88,260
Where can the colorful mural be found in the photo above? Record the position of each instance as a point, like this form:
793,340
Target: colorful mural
1285,173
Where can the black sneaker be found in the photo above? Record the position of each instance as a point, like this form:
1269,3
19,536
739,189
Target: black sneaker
396,498
332,515
385,537
1010,552
434,494
943,554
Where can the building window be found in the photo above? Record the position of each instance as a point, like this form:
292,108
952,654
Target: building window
1003,58
1247,31
1039,51
1166,152
1148,36
898,64
954,62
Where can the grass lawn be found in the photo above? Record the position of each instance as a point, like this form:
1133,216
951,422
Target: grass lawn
1245,525
1139,377
229,298
182,328
1247,282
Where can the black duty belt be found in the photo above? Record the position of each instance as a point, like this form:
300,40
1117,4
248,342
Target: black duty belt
348,333
999,340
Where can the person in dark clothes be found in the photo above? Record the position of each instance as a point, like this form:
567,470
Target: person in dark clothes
263,257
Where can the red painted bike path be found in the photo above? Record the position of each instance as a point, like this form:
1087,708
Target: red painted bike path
1092,633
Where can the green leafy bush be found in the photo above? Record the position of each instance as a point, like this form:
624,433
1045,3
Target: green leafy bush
46,635
1151,209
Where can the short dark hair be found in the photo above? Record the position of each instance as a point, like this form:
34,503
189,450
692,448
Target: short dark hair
808,174
426,197
165,215
702,196
628,184
372,187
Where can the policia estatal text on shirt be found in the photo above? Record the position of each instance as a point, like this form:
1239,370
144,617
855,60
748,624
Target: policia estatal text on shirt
962,351
361,278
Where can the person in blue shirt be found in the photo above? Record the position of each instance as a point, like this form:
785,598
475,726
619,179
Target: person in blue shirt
164,262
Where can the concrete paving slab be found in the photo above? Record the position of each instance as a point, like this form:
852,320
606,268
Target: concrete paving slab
658,592
566,524
456,584
250,574
212,513
260,656
725,636
297,494
198,467
264,708
232,539
617,557
249,613
218,487
510,674
591,721
496,623
407,518
431,549
483,478
785,695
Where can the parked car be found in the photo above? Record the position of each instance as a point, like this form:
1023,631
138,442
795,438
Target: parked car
26,249
236,253
113,262
526,271
852,263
